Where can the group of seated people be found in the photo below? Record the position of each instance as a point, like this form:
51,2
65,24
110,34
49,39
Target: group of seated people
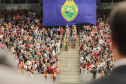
95,47
36,49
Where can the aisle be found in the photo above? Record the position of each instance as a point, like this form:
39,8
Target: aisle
70,65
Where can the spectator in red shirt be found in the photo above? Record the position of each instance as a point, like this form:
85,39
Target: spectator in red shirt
39,25
18,16
88,64
27,45
50,70
18,31
61,32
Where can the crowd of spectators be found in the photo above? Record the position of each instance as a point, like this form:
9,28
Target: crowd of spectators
35,48
95,47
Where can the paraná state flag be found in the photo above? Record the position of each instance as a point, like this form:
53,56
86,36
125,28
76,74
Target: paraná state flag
62,12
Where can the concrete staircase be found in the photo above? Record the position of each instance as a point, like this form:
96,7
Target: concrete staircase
70,65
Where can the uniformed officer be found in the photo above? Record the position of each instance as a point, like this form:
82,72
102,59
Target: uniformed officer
74,41
67,43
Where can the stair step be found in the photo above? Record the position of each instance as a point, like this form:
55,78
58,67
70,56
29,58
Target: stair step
64,69
62,72
76,52
65,53
74,76
65,80
69,76
75,60
67,62
64,61
72,69
64,77
71,57
73,65
75,68
67,65
64,65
